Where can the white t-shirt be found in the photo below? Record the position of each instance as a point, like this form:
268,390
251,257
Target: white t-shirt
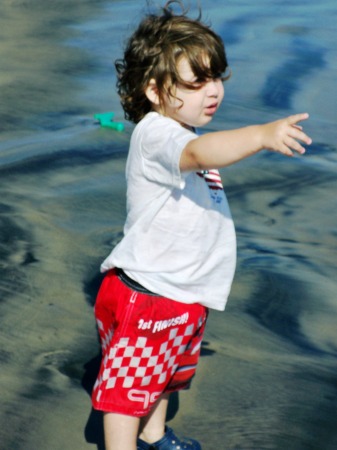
179,238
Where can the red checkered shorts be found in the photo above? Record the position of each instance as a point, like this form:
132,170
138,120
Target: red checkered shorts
150,346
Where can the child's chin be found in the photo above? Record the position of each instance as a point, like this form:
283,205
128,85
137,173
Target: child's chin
207,119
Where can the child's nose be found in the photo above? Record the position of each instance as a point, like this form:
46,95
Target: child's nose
213,88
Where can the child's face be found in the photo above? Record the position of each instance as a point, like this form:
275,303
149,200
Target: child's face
199,105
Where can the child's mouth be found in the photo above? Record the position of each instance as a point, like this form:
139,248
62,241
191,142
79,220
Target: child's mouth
210,110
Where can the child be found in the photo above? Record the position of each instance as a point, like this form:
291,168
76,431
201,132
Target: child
177,256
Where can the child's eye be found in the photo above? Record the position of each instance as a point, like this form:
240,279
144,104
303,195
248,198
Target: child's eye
200,81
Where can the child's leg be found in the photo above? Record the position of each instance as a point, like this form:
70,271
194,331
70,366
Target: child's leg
120,431
152,427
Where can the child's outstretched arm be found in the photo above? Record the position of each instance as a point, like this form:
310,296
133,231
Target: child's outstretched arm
222,148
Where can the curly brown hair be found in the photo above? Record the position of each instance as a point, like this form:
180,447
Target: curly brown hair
153,51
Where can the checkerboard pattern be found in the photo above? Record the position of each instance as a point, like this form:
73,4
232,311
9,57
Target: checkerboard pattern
135,364
140,363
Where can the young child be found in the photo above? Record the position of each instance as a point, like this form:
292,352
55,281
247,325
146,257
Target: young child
177,256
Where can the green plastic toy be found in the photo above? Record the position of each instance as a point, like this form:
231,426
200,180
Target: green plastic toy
105,120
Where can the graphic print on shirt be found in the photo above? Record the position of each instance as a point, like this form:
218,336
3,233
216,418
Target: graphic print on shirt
213,180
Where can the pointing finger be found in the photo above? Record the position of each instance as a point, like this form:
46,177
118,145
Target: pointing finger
293,120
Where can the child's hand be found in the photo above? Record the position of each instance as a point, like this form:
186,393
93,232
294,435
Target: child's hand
283,136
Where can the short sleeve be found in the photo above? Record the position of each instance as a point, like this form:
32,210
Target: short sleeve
162,144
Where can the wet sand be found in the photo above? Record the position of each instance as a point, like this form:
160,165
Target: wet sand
267,377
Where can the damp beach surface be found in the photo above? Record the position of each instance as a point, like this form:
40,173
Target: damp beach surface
267,377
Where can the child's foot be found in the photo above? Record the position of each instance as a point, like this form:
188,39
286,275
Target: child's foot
169,442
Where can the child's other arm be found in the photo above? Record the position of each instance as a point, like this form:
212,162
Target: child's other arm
222,148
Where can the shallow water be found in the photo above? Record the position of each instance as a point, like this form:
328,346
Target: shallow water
267,379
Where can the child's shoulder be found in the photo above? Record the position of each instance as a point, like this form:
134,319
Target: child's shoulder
155,124
160,132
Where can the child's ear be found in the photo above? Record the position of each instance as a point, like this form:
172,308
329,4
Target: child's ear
151,92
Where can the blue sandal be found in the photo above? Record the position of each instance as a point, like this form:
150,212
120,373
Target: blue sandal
169,442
